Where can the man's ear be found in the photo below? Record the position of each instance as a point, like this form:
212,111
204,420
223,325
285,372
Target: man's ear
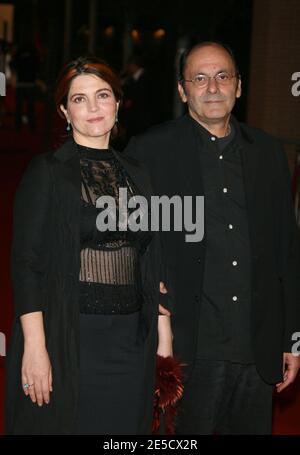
181,92
64,111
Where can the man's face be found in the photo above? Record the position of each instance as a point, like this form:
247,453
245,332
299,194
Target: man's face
214,102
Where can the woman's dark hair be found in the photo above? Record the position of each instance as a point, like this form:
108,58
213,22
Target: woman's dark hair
184,56
84,65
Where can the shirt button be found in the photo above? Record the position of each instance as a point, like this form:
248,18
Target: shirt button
220,157
230,226
225,190
213,138
234,263
234,298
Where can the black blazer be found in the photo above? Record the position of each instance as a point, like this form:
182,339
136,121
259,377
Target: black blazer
169,152
45,272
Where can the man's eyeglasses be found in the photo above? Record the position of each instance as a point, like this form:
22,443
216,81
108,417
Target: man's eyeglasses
201,80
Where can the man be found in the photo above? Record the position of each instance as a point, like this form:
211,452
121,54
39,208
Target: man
25,63
236,292
134,116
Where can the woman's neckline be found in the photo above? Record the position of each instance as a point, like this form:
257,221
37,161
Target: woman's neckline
94,153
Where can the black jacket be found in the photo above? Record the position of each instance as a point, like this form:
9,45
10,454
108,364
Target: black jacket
169,153
45,272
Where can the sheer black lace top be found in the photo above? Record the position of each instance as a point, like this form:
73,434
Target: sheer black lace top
110,281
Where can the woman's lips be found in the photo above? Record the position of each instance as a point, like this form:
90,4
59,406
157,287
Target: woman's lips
95,120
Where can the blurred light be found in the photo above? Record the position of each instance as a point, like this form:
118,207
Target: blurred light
109,31
159,33
135,34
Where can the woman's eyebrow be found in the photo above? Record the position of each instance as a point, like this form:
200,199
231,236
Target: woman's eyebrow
84,94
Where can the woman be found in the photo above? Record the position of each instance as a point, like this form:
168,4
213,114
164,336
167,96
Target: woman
85,334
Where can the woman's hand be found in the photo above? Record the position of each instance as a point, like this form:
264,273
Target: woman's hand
37,374
165,336
36,367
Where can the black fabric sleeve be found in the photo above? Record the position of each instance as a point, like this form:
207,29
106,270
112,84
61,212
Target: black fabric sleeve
135,149
290,247
137,152
31,223
166,300
131,149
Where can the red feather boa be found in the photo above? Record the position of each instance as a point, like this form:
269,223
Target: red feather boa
168,390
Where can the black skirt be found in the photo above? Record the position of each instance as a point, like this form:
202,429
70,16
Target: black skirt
111,374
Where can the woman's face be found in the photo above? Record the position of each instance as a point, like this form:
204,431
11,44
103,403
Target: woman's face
91,110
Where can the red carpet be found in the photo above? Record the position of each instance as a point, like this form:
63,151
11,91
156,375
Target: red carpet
15,152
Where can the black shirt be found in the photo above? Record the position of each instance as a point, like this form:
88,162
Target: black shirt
224,325
109,274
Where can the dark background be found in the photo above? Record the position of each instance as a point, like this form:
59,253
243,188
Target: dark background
44,23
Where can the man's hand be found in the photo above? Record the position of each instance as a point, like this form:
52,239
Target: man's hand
161,309
291,365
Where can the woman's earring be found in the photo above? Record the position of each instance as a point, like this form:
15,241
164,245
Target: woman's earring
68,127
116,118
